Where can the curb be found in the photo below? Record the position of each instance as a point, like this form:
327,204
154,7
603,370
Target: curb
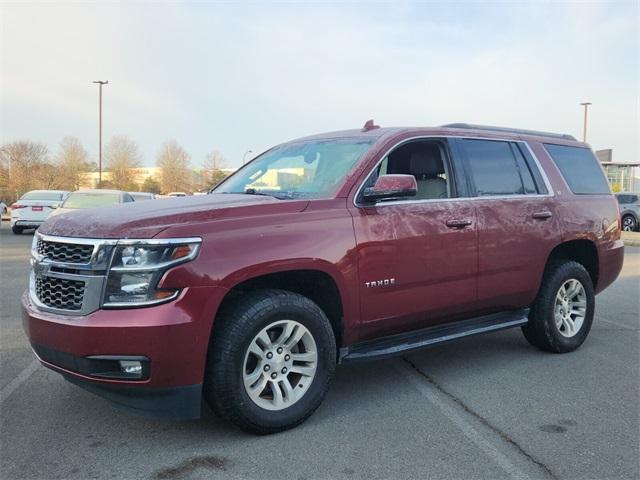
631,239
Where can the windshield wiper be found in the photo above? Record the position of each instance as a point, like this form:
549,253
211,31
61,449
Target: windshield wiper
253,191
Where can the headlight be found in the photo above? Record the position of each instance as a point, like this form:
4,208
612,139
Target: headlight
136,269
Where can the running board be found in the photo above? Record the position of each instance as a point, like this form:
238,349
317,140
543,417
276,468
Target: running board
406,342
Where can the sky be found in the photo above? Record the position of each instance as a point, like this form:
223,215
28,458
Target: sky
238,76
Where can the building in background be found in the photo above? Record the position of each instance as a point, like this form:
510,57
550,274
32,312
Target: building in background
622,176
138,175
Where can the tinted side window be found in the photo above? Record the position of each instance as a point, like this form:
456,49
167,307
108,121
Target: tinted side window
492,167
580,169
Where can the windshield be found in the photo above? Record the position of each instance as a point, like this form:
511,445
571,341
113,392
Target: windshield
88,200
312,169
53,196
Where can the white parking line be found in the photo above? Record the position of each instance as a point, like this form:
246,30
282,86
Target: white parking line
612,322
463,425
22,377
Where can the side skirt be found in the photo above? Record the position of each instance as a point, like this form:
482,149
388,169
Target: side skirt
399,344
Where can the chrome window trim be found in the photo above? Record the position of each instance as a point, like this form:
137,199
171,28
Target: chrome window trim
542,171
550,191
95,273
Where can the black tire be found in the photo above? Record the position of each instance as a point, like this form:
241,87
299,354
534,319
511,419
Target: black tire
541,330
239,321
16,229
629,223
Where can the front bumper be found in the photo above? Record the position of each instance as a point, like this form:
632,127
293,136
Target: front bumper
173,337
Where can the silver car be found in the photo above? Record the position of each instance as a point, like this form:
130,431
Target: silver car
92,198
141,196
629,211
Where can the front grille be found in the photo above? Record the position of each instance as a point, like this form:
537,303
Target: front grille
64,252
59,293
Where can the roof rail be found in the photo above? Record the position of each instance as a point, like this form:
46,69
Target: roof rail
536,133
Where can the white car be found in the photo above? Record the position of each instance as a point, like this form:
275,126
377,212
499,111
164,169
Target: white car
34,207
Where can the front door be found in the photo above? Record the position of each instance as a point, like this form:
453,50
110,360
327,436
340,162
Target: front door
417,257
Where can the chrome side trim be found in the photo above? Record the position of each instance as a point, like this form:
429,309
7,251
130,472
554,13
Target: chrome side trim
550,190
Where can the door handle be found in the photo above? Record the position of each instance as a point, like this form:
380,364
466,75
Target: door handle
458,223
543,215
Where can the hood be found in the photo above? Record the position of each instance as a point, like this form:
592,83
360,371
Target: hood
147,219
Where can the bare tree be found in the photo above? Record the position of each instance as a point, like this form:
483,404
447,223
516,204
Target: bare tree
72,159
151,185
213,165
121,157
23,165
173,161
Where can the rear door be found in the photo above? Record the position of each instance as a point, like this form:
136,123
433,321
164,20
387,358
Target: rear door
517,221
417,259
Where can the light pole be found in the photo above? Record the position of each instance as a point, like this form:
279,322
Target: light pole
584,127
100,84
244,157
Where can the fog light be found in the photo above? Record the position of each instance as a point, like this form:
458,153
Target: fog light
131,367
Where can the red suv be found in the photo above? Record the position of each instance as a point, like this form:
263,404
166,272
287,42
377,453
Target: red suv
335,248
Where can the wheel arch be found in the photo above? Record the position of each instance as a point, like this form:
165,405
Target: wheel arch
311,281
583,251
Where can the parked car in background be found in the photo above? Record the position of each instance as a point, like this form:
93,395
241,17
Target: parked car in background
141,196
33,208
93,198
340,247
629,211
176,194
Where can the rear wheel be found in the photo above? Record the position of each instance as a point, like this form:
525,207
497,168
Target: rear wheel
629,223
271,359
561,317
16,229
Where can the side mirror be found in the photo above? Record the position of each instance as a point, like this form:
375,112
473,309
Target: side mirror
54,206
391,186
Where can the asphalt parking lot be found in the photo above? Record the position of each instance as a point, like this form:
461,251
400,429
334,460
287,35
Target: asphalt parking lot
484,407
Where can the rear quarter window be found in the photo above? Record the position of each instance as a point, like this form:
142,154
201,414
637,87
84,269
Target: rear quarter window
580,169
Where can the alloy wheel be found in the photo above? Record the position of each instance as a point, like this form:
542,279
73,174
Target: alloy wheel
628,224
570,308
280,365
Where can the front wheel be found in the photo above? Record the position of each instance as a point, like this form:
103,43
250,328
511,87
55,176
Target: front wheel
562,314
629,223
271,359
